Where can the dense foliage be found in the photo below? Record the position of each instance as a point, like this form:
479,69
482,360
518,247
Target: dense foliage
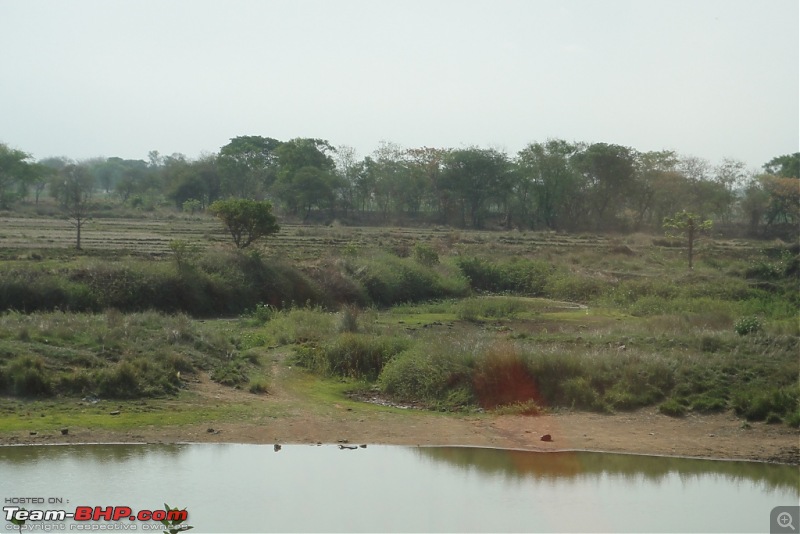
555,185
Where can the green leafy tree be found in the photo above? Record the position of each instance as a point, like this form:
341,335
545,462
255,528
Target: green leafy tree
609,171
248,166
427,165
197,180
549,191
246,220
787,165
687,226
14,173
476,176
306,175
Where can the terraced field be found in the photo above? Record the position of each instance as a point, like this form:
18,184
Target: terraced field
152,236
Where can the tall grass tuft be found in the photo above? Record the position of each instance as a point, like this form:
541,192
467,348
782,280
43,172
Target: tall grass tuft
26,377
354,355
502,376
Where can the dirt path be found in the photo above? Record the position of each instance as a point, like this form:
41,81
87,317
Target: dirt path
291,414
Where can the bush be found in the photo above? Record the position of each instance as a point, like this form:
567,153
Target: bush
758,404
425,255
748,325
501,376
579,393
574,287
120,382
522,276
709,404
673,408
391,280
257,387
263,313
430,373
348,319
26,377
361,356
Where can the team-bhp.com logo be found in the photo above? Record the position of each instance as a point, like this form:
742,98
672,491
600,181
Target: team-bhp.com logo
87,518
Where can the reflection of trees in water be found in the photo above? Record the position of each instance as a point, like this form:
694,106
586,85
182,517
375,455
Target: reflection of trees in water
577,465
95,453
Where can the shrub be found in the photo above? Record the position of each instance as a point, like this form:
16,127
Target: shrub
521,276
230,373
748,325
348,319
26,377
300,325
263,313
78,382
425,254
390,280
119,382
501,376
574,287
708,404
793,419
429,373
257,387
758,404
579,393
673,408
361,356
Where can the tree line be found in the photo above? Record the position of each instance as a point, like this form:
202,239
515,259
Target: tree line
553,185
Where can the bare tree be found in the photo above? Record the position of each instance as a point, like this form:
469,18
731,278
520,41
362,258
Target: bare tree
73,188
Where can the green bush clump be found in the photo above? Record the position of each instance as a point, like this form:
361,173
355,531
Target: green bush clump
758,404
258,387
391,280
26,376
119,382
429,374
574,287
216,283
230,373
360,355
748,325
673,408
425,255
29,291
300,325
263,313
793,419
709,404
579,393
525,277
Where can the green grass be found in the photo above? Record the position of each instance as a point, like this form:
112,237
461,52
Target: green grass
51,416
115,322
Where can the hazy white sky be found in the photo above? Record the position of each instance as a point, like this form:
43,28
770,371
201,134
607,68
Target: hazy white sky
707,78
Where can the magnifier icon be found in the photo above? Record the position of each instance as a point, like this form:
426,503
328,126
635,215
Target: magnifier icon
784,520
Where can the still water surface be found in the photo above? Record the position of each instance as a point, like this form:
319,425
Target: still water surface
251,488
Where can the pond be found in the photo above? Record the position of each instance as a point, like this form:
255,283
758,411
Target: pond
303,488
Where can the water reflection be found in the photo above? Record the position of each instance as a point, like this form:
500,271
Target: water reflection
252,488
583,465
102,454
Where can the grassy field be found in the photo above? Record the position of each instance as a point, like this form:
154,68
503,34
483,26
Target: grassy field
450,320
